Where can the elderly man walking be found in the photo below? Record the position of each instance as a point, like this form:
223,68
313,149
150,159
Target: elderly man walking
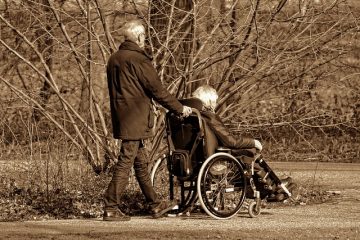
133,82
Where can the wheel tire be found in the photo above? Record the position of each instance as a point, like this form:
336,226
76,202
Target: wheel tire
160,179
221,186
252,210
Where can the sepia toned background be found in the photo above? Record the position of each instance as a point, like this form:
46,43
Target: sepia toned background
287,72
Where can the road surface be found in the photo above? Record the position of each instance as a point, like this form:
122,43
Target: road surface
335,219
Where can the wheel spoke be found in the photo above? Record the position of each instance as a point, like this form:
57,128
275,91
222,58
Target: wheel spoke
222,187
183,192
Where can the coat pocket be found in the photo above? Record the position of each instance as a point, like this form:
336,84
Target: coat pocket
151,118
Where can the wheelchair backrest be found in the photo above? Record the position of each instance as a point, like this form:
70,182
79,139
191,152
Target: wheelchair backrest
184,132
190,132
210,140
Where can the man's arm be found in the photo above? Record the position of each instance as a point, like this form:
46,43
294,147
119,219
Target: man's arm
151,82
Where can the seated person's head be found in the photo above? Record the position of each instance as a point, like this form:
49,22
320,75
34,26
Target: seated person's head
208,97
134,30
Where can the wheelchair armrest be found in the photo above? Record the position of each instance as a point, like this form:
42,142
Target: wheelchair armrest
223,149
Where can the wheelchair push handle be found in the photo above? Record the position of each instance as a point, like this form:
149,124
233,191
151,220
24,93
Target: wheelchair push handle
195,112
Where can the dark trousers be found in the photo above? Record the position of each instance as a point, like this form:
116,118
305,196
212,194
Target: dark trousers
132,154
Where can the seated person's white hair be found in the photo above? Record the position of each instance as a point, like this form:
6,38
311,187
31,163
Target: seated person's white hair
133,29
207,95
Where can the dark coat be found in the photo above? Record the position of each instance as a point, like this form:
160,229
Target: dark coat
132,83
224,137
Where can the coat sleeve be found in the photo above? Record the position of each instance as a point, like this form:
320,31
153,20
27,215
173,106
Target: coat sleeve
226,138
153,86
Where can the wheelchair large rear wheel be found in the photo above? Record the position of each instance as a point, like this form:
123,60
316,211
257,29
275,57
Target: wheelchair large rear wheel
183,192
221,186
160,178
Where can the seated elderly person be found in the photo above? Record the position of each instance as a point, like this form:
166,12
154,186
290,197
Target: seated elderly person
243,147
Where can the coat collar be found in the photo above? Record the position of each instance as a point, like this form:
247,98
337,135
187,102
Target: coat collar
132,46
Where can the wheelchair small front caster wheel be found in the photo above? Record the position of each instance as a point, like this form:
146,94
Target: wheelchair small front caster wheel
254,210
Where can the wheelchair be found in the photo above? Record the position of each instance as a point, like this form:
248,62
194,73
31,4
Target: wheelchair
196,172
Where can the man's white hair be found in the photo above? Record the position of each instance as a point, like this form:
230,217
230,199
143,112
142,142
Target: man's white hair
133,29
207,95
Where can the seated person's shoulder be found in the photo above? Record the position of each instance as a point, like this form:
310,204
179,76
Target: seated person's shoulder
192,102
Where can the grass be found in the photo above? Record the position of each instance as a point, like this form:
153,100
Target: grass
26,195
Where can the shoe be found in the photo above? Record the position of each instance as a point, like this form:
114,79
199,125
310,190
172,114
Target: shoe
115,215
295,192
281,196
292,187
162,208
271,197
286,181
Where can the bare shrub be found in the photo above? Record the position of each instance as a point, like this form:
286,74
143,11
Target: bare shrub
287,73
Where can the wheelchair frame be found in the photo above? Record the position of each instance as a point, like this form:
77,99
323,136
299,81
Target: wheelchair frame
219,184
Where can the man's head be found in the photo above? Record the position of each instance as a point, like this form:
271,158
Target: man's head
134,31
207,95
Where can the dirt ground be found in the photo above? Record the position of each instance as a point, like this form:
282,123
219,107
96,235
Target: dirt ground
335,219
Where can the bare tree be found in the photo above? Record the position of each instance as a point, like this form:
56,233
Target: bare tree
277,63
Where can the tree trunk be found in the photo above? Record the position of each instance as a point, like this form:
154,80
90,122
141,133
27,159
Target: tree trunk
47,49
172,23
86,98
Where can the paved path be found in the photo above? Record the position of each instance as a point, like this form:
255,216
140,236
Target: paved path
338,219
